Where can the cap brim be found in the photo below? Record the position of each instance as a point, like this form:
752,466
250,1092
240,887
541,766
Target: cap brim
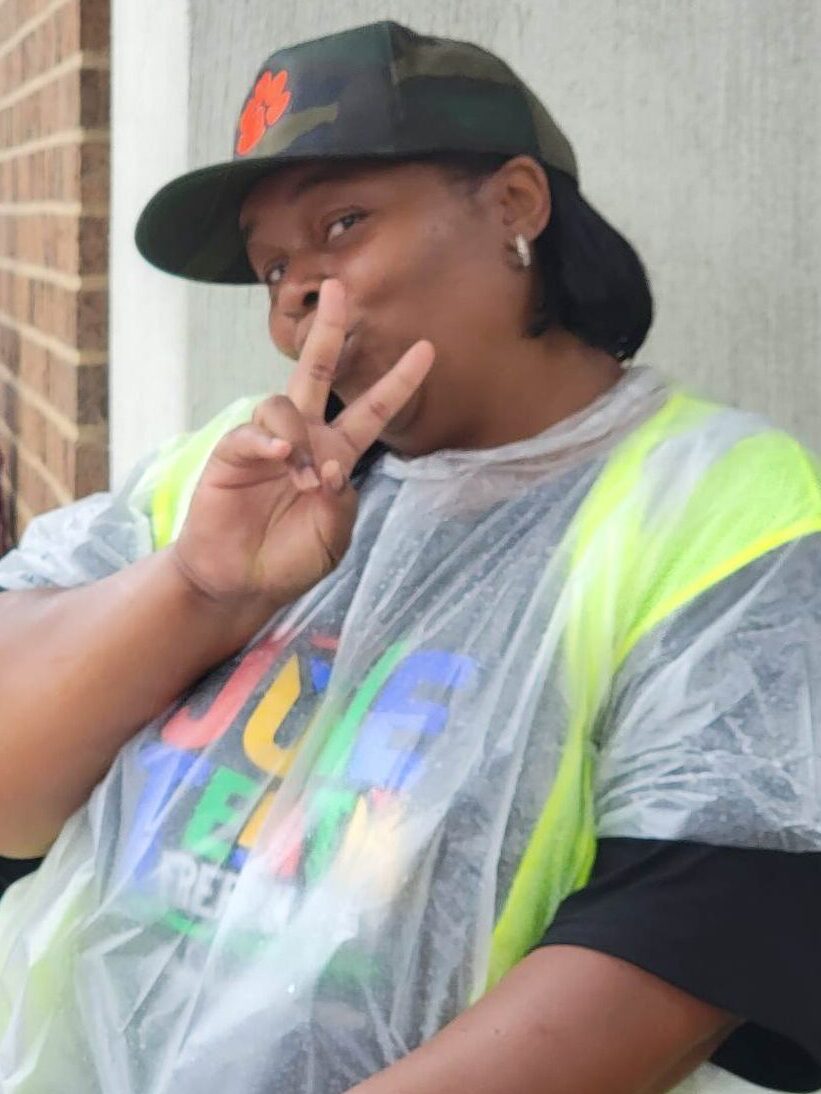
191,226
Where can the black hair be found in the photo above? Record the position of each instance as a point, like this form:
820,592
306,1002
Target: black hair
593,282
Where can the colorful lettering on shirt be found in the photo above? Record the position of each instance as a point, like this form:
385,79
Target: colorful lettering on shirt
350,815
283,854
250,833
187,730
331,808
165,769
211,831
389,747
199,888
259,738
378,757
370,853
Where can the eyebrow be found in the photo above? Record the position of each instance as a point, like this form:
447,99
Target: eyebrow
324,173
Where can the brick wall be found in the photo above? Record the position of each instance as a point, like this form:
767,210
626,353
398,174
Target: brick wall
54,180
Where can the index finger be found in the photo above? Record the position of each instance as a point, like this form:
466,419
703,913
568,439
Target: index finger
367,416
310,382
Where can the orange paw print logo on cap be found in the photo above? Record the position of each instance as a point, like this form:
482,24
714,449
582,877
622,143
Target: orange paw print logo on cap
266,106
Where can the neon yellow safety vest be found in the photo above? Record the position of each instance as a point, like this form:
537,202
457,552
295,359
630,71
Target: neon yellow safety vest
629,572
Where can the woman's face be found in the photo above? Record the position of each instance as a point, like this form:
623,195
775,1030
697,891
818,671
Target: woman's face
420,255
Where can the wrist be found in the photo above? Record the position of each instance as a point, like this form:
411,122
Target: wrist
237,614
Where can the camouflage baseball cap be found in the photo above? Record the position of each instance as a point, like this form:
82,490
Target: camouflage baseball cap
379,91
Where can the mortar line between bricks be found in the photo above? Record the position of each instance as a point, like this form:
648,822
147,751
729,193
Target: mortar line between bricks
60,349
25,29
70,282
72,431
64,425
88,59
62,493
52,208
77,135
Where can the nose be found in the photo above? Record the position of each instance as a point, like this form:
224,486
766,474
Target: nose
299,291
296,297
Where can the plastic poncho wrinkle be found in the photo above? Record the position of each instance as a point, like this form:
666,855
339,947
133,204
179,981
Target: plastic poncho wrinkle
678,759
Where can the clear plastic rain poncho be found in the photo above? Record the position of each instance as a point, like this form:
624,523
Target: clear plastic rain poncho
332,842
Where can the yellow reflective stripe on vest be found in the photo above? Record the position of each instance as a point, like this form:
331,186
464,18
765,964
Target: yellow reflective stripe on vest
178,469
625,577
559,856
780,484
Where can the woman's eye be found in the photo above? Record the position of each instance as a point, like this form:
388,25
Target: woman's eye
342,224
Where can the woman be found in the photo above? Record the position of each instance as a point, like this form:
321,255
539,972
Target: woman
448,724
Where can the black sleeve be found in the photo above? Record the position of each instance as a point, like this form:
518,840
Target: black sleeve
737,928
13,868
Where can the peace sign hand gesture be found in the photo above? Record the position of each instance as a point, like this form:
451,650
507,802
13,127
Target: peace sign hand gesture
273,511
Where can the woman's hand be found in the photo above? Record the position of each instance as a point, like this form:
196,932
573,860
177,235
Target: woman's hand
274,509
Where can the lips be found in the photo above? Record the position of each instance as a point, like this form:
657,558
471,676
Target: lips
303,329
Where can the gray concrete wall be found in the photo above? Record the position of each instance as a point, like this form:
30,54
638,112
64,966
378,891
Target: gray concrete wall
695,124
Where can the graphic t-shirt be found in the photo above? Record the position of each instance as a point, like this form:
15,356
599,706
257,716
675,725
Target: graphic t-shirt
291,878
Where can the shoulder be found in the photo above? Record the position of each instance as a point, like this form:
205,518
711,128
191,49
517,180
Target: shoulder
693,495
712,448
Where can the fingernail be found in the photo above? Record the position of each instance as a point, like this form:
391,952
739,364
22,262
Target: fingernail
307,478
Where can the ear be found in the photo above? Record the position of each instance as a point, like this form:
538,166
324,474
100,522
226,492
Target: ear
522,196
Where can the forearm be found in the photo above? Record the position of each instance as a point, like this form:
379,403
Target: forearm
565,1021
82,669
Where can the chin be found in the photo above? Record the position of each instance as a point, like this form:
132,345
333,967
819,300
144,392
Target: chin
355,374
406,433
358,369
352,375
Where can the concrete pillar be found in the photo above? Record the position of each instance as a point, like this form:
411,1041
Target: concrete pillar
148,320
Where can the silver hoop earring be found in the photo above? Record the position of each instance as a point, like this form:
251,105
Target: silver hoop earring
523,250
